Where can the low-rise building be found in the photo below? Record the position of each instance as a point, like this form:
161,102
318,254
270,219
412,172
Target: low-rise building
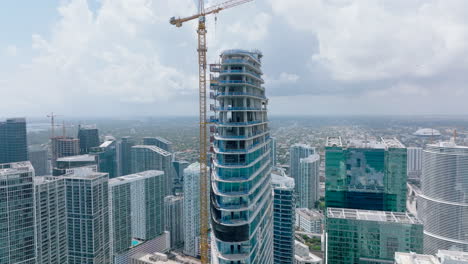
302,255
309,221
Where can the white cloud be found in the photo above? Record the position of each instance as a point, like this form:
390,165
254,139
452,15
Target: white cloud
283,78
252,30
376,39
11,50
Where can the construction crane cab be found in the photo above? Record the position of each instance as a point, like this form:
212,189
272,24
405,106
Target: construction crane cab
173,21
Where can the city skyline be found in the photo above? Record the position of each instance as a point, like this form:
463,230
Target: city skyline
44,63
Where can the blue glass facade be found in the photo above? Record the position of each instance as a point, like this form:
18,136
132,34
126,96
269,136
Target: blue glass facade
241,197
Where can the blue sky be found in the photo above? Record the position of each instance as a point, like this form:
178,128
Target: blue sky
122,58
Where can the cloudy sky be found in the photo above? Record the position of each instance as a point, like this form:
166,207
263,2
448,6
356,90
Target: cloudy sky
123,58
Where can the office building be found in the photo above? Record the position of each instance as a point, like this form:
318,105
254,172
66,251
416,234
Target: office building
179,167
303,255
364,236
308,182
87,206
145,157
124,155
283,219
241,204
414,163
173,213
17,213
309,221
273,152
88,137
120,223
158,142
39,158
106,157
64,147
365,174
296,153
51,220
13,142
192,210
147,203
443,204
62,165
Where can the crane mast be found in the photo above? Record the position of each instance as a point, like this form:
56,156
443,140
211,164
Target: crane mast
202,50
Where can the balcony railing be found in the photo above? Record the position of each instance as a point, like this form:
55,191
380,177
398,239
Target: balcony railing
219,108
241,94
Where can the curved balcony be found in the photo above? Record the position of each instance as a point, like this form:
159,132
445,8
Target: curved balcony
219,108
244,137
240,165
244,124
252,148
236,94
249,191
242,62
241,82
250,73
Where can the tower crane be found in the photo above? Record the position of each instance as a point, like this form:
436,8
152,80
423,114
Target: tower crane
202,13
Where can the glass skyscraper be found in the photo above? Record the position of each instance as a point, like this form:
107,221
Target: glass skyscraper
17,238
13,143
283,219
87,205
158,142
308,181
89,138
364,236
443,202
366,174
192,210
241,195
124,155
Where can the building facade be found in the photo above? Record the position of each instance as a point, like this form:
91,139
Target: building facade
64,147
192,210
366,174
70,162
13,142
308,181
146,157
51,220
414,163
283,219
88,137
309,221
241,204
173,212
124,155
17,213
364,236
303,255
87,207
158,142
443,204
39,158
296,153
120,213
106,157
273,152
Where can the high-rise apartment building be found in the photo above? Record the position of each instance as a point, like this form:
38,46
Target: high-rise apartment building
51,220
70,162
173,212
443,202
158,142
364,236
273,152
147,203
241,204
13,142
87,216
120,222
366,174
179,167
308,181
124,155
145,157
88,137
17,235
414,163
64,147
283,219
39,158
106,157
191,210
296,153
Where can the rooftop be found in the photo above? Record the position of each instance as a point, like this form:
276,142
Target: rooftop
334,142
413,258
453,255
153,148
376,216
302,145
83,173
161,139
367,143
106,144
311,158
303,254
14,167
313,214
78,158
278,181
447,144
427,132
44,179
135,177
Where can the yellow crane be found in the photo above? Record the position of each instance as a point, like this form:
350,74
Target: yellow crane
202,12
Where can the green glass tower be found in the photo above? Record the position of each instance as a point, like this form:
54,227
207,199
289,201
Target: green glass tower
366,174
364,236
